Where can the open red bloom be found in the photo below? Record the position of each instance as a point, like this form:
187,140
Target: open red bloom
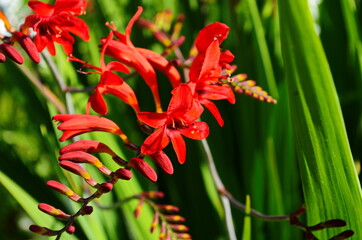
110,83
206,69
179,119
142,60
54,23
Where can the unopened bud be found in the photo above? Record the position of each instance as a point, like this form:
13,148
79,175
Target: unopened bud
59,187
70,229
88,146
163,161
105,187
27,44
174,218
138,209
83,157
123,173
154,223
87,210
167,208
143,167
179,227
152,194
78,170
183,236
2,57
11,52
48,209
42,230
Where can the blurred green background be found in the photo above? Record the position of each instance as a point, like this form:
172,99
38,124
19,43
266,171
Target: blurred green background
255,152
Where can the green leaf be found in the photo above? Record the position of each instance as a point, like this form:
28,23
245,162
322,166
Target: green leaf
29,204
329,179
247,220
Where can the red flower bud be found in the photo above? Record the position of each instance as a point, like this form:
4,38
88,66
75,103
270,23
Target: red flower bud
78,170
154,223
83,157
179,227
138,209
48,209
143,167
87,210
63,190
152,194
2,57
183,236
163,161
27,44
11,52
76,124
174,218
167,208
123,173
88,146
105,187
42,230
70,229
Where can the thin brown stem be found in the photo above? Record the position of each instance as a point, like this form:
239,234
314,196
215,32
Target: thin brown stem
46,92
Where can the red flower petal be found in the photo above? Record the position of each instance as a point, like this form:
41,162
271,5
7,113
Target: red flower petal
110,78
131,57
214,111
155,142
76,26
41,8
125,93
210,66
209,33
216,92
75,7
98,104
130,24
161,64
178,144
197,131
155,120
181,101
117,66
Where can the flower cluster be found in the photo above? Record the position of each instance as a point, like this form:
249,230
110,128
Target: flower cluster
209,78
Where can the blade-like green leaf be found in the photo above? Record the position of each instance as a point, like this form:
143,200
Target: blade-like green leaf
29,204
247,220
330,183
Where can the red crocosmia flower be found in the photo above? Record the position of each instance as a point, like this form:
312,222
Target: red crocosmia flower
54,23
206,69
179,119
110,83
142,60
75,124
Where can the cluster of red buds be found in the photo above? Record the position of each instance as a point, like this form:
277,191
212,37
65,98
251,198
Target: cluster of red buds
207,78
7,48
